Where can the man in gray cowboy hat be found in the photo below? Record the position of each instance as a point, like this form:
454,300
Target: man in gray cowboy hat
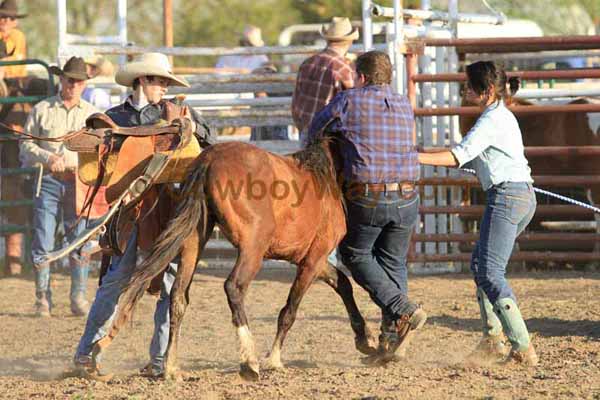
323,75
16,45
149,76
50,118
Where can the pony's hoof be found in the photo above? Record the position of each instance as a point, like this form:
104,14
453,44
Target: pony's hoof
272,364
249,371
366,344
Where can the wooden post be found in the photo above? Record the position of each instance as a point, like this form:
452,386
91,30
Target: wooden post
168,25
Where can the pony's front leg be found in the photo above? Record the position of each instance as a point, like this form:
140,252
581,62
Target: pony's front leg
236,285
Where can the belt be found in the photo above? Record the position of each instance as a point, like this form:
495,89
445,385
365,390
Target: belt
405,187
65,176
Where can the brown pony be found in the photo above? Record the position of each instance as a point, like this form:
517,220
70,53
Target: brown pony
268,206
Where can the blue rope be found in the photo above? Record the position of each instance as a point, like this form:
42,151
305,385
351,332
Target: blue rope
551,194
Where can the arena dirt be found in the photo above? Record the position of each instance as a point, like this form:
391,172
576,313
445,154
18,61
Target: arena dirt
562,311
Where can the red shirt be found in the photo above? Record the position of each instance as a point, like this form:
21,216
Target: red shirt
319,79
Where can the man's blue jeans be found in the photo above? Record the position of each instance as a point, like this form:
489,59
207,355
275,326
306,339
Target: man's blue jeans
55,202
103,309
376,246
510,208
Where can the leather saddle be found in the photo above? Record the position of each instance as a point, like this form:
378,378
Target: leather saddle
115,155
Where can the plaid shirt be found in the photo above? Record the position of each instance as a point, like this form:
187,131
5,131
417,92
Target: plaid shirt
320,78
377,125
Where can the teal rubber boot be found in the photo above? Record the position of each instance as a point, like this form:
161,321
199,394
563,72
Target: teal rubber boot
491,346
515,330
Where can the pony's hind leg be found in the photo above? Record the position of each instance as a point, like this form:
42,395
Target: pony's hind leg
364,339
180,293
246,267
304,278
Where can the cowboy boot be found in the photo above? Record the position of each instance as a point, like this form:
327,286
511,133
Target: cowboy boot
13,254
395,337
42,306
79,276
522,350
86,368
491,346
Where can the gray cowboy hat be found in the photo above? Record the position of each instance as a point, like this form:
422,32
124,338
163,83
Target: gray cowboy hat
74,68
8,8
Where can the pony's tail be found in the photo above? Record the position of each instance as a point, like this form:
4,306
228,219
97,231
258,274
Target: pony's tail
190,210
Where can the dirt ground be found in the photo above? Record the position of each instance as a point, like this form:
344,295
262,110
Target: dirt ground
562,311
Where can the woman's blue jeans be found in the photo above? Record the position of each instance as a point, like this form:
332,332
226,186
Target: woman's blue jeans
510,208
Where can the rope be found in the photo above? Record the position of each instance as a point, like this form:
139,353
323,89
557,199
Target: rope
551,194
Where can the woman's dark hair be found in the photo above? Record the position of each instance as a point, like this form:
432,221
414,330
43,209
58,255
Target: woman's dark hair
376,67
483,75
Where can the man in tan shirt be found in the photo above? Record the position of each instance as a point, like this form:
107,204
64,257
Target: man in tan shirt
55,117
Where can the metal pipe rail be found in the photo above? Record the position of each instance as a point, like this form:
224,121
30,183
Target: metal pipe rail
477,210
517,256
537,151
524,237
539,180
255,102
201,51
528,75
518,44
518,110
429,15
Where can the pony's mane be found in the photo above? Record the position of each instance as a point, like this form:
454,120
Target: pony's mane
315,159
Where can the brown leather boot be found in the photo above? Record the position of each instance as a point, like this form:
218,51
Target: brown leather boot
42,307
393,347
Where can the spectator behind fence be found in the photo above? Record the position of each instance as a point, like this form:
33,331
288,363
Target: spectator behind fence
99,68
324,75
252,37
53,117
16,45
277,132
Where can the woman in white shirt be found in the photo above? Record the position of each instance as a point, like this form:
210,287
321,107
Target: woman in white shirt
494,148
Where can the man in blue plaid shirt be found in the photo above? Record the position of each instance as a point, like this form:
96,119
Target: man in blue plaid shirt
380,170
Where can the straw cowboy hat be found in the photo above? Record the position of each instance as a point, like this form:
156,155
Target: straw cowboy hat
339,30
8,8
104,66
148,64
253,36
74,68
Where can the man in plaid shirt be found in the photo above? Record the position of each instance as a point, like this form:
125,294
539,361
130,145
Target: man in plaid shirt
323,75
380,169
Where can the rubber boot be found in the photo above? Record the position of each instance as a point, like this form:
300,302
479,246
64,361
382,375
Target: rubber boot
491,346
514,327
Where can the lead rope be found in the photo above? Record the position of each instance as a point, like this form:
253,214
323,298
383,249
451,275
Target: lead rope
551,194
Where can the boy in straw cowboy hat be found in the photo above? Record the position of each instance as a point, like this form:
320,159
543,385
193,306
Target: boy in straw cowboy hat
16,45
54,117
149,76
325,74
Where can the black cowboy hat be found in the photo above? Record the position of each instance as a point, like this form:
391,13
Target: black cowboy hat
74,68
8,8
